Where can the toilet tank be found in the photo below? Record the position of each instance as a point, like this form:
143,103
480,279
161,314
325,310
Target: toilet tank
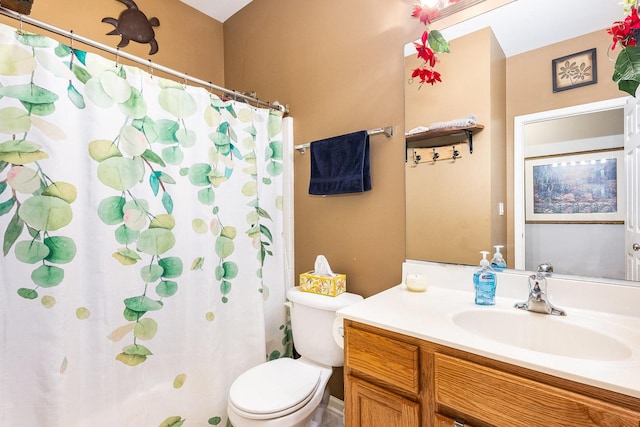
312,318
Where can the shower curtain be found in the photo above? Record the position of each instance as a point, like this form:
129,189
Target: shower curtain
141,221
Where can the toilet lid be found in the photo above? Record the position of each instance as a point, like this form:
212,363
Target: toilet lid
278,387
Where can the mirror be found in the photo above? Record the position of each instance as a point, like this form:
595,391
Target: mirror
527,129
572,147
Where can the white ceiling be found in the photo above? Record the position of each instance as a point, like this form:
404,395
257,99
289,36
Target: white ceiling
220,10
519,26
524,25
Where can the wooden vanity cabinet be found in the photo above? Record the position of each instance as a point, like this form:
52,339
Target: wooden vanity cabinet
384,384
396,380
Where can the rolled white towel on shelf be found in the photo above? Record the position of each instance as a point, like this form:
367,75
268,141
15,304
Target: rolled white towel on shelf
417,129
469,120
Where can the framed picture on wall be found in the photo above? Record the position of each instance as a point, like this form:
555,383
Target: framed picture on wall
576,188
575,70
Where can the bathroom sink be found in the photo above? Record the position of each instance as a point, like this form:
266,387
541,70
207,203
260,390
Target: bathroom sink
542,333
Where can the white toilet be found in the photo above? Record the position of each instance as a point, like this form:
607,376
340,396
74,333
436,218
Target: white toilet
286,392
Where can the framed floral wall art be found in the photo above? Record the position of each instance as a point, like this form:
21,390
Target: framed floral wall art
575,70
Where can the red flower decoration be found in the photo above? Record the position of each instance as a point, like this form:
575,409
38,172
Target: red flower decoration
422,13
426,75
428,49
425,52
625,31
427,14
626,71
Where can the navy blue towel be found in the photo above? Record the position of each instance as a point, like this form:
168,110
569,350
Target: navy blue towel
340,164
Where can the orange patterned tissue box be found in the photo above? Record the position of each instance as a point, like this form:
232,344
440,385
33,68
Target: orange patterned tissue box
323,285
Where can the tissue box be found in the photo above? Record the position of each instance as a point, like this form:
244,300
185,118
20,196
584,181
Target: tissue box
323,285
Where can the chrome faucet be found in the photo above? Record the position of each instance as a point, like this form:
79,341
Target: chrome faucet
538,300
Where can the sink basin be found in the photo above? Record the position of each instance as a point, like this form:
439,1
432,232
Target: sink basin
542,333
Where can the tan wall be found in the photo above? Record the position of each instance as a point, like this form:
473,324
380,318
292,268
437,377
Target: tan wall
189,41
452,206
339,65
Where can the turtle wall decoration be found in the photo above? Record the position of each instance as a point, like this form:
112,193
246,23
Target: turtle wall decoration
134,25
21,6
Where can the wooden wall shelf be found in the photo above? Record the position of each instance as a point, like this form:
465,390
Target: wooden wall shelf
443,137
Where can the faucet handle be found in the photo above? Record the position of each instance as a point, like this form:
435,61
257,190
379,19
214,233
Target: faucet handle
545,268
538,300
537,284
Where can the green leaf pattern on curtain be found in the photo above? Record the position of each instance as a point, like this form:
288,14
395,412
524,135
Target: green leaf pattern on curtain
142,174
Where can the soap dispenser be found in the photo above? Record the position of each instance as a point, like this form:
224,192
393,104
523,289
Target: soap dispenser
497,262
485,280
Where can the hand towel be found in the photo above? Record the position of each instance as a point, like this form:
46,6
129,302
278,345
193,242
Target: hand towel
340,164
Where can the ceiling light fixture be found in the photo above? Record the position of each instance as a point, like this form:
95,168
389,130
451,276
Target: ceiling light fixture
443,8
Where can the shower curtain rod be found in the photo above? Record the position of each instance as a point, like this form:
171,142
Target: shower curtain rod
116,51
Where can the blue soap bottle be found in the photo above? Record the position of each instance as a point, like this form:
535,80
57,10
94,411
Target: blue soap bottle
485,281
497,262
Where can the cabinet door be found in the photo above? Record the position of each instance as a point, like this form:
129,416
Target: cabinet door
369,406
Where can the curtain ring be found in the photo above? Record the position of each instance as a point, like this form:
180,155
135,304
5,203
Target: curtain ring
185,76
210,90
117,57
150,68
20,32
71,39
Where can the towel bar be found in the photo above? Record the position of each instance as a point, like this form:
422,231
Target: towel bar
387,130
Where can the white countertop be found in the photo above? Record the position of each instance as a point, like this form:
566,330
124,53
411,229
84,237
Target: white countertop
430,316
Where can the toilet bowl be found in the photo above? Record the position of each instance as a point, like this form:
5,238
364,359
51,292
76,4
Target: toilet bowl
287,392
282,392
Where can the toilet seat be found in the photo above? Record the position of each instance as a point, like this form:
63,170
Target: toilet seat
274,389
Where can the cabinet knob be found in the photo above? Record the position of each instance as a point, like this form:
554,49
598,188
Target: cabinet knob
636,247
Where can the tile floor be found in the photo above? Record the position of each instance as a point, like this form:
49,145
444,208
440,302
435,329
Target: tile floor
332,419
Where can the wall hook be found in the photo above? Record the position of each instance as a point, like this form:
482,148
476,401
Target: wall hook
416,157
455,154
436,155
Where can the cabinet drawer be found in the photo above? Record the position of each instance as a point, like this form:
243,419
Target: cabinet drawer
390,361
505,400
